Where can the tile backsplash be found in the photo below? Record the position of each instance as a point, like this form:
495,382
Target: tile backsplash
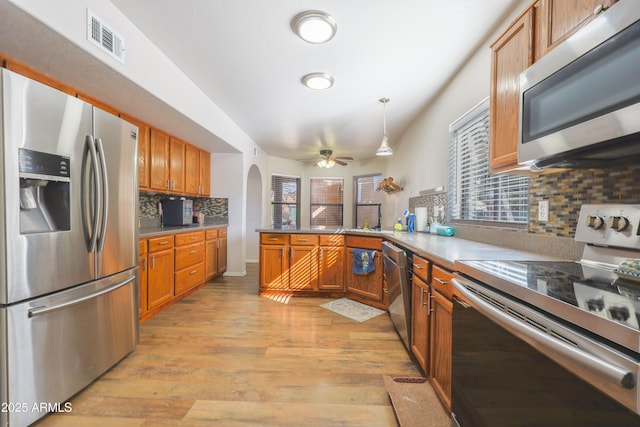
566,192
211,207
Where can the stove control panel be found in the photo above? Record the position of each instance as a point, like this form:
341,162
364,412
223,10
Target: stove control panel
609,225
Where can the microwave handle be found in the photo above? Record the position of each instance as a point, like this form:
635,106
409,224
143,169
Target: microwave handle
609,371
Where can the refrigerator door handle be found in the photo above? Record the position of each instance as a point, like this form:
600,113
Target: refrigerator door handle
105,195
94,167
39,311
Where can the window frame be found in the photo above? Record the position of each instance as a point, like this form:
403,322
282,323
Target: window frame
313,206
459,200
275,203
356,205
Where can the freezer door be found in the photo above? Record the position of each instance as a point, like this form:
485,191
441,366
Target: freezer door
40,261
116,143
57,345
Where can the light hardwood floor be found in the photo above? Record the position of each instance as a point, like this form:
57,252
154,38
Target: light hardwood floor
225,356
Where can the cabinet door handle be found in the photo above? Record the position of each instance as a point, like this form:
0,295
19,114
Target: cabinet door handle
193,272
418,266
144,263
153,261
422,304
164,243
192,252
429,306
272,239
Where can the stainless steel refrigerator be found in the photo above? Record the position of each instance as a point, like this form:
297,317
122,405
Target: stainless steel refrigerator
68,246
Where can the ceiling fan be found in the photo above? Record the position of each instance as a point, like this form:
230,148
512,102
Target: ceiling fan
328,160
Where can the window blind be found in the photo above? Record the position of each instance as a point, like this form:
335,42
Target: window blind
285,205
326,197
474,194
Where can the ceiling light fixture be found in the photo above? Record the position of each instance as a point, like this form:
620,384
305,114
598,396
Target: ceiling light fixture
385,149
314,26
318,81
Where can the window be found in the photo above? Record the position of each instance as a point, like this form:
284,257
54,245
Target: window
285,201
474,194
368,203
327,202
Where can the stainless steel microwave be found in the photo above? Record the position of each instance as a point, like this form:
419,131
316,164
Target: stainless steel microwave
580,103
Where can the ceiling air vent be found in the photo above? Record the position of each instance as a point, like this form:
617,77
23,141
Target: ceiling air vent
101,35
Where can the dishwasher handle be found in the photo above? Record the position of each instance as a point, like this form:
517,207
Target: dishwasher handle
615,374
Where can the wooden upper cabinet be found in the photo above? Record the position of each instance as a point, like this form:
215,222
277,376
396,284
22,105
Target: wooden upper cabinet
176,165
192,169
559,19
511,54
159,156
144,161
205,174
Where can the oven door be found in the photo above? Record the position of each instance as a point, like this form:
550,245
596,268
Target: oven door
501,376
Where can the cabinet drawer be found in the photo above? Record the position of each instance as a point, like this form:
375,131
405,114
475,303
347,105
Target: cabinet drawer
222,232
211,234
421,268
304,239
364,242
160,243
189,255
189,277
273,239
188,238
442,281
331,240
143,247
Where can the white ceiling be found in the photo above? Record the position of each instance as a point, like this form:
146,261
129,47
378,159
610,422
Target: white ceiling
245,57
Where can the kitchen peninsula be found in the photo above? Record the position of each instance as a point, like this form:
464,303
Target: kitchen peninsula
310,262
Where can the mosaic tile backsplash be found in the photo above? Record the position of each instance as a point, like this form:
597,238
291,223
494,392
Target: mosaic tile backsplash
567,191
215,207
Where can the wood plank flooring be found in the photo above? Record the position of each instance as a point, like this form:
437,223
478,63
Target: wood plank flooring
225,356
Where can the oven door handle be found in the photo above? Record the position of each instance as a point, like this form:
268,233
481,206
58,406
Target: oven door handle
612,373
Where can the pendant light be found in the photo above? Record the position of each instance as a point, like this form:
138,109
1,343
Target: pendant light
385,149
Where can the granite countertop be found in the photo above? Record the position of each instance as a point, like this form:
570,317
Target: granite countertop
442,250
159,230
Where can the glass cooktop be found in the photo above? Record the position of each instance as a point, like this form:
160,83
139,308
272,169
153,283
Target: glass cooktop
596,290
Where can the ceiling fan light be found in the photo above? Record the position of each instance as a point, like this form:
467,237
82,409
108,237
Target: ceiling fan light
317,81
385,149
315,26
326,164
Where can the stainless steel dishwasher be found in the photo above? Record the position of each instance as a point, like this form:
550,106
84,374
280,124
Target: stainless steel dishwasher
398,287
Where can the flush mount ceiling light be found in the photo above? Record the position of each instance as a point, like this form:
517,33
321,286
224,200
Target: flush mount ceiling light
385,149
318,81
314,26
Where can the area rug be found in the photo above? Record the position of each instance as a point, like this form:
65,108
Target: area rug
352,309
415,403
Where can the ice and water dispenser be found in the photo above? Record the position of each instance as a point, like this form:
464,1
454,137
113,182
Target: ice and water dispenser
44,192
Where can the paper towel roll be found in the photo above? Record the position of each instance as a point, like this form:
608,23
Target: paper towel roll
421,219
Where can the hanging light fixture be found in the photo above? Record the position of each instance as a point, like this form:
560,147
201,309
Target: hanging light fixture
385,149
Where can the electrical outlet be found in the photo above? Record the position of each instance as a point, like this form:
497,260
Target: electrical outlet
543,210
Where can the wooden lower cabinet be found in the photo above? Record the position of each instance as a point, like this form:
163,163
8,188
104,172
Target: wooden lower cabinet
441,335
331,263
174,265
274,267
420,313
189,261
142,277
221,251
365,288
210,254
160,264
